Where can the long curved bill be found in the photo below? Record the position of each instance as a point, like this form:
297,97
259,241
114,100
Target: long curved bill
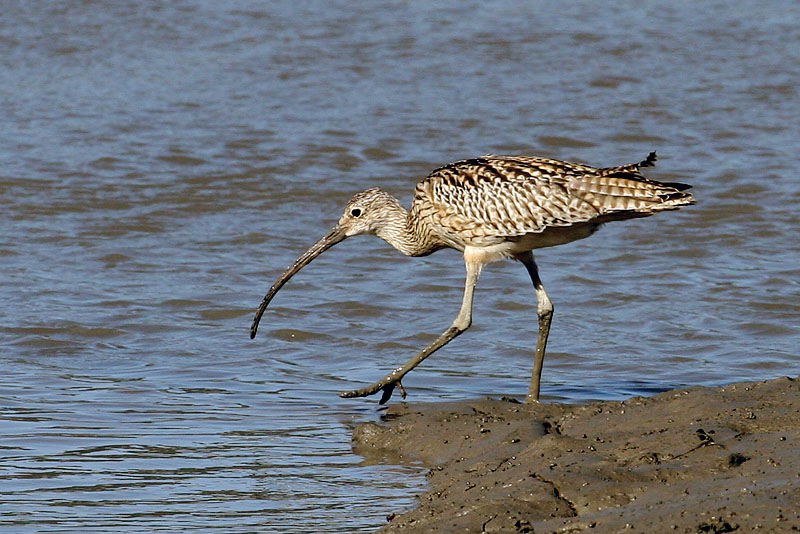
331,238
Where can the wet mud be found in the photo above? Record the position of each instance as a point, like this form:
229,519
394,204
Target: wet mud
701,459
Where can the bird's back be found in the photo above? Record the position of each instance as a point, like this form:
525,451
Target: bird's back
483,201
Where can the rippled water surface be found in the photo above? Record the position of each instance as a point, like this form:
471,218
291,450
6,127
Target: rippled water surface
161,163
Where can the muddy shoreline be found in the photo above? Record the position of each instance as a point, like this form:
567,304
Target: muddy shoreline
724,459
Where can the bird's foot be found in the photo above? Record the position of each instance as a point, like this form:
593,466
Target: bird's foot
386,385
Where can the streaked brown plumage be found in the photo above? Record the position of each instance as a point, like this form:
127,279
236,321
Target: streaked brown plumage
491,208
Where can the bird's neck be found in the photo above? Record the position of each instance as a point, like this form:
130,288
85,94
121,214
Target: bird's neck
406,233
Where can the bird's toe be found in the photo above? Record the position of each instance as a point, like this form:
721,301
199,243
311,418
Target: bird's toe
388,389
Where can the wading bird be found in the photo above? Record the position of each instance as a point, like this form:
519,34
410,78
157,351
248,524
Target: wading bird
491,208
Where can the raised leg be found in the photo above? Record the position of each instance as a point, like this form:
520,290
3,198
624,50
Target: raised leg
461,323
545,312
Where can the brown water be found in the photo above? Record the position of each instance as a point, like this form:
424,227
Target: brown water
161,163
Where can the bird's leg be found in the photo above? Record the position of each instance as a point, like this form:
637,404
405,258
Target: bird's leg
461,323
545,312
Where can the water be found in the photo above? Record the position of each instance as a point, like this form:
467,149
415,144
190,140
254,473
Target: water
161,163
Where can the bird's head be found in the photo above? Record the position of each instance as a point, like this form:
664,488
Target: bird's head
368,212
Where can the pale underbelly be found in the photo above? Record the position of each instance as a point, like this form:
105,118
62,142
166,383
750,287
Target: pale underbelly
487,252
557,235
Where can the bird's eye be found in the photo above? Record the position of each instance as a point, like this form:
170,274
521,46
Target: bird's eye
355,212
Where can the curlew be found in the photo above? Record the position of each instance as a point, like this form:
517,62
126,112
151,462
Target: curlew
491,208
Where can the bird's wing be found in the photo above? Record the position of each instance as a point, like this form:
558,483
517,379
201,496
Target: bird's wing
496,197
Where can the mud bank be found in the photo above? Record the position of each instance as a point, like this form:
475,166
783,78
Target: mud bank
702,459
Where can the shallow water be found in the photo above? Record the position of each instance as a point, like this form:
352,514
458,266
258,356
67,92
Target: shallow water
161,164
